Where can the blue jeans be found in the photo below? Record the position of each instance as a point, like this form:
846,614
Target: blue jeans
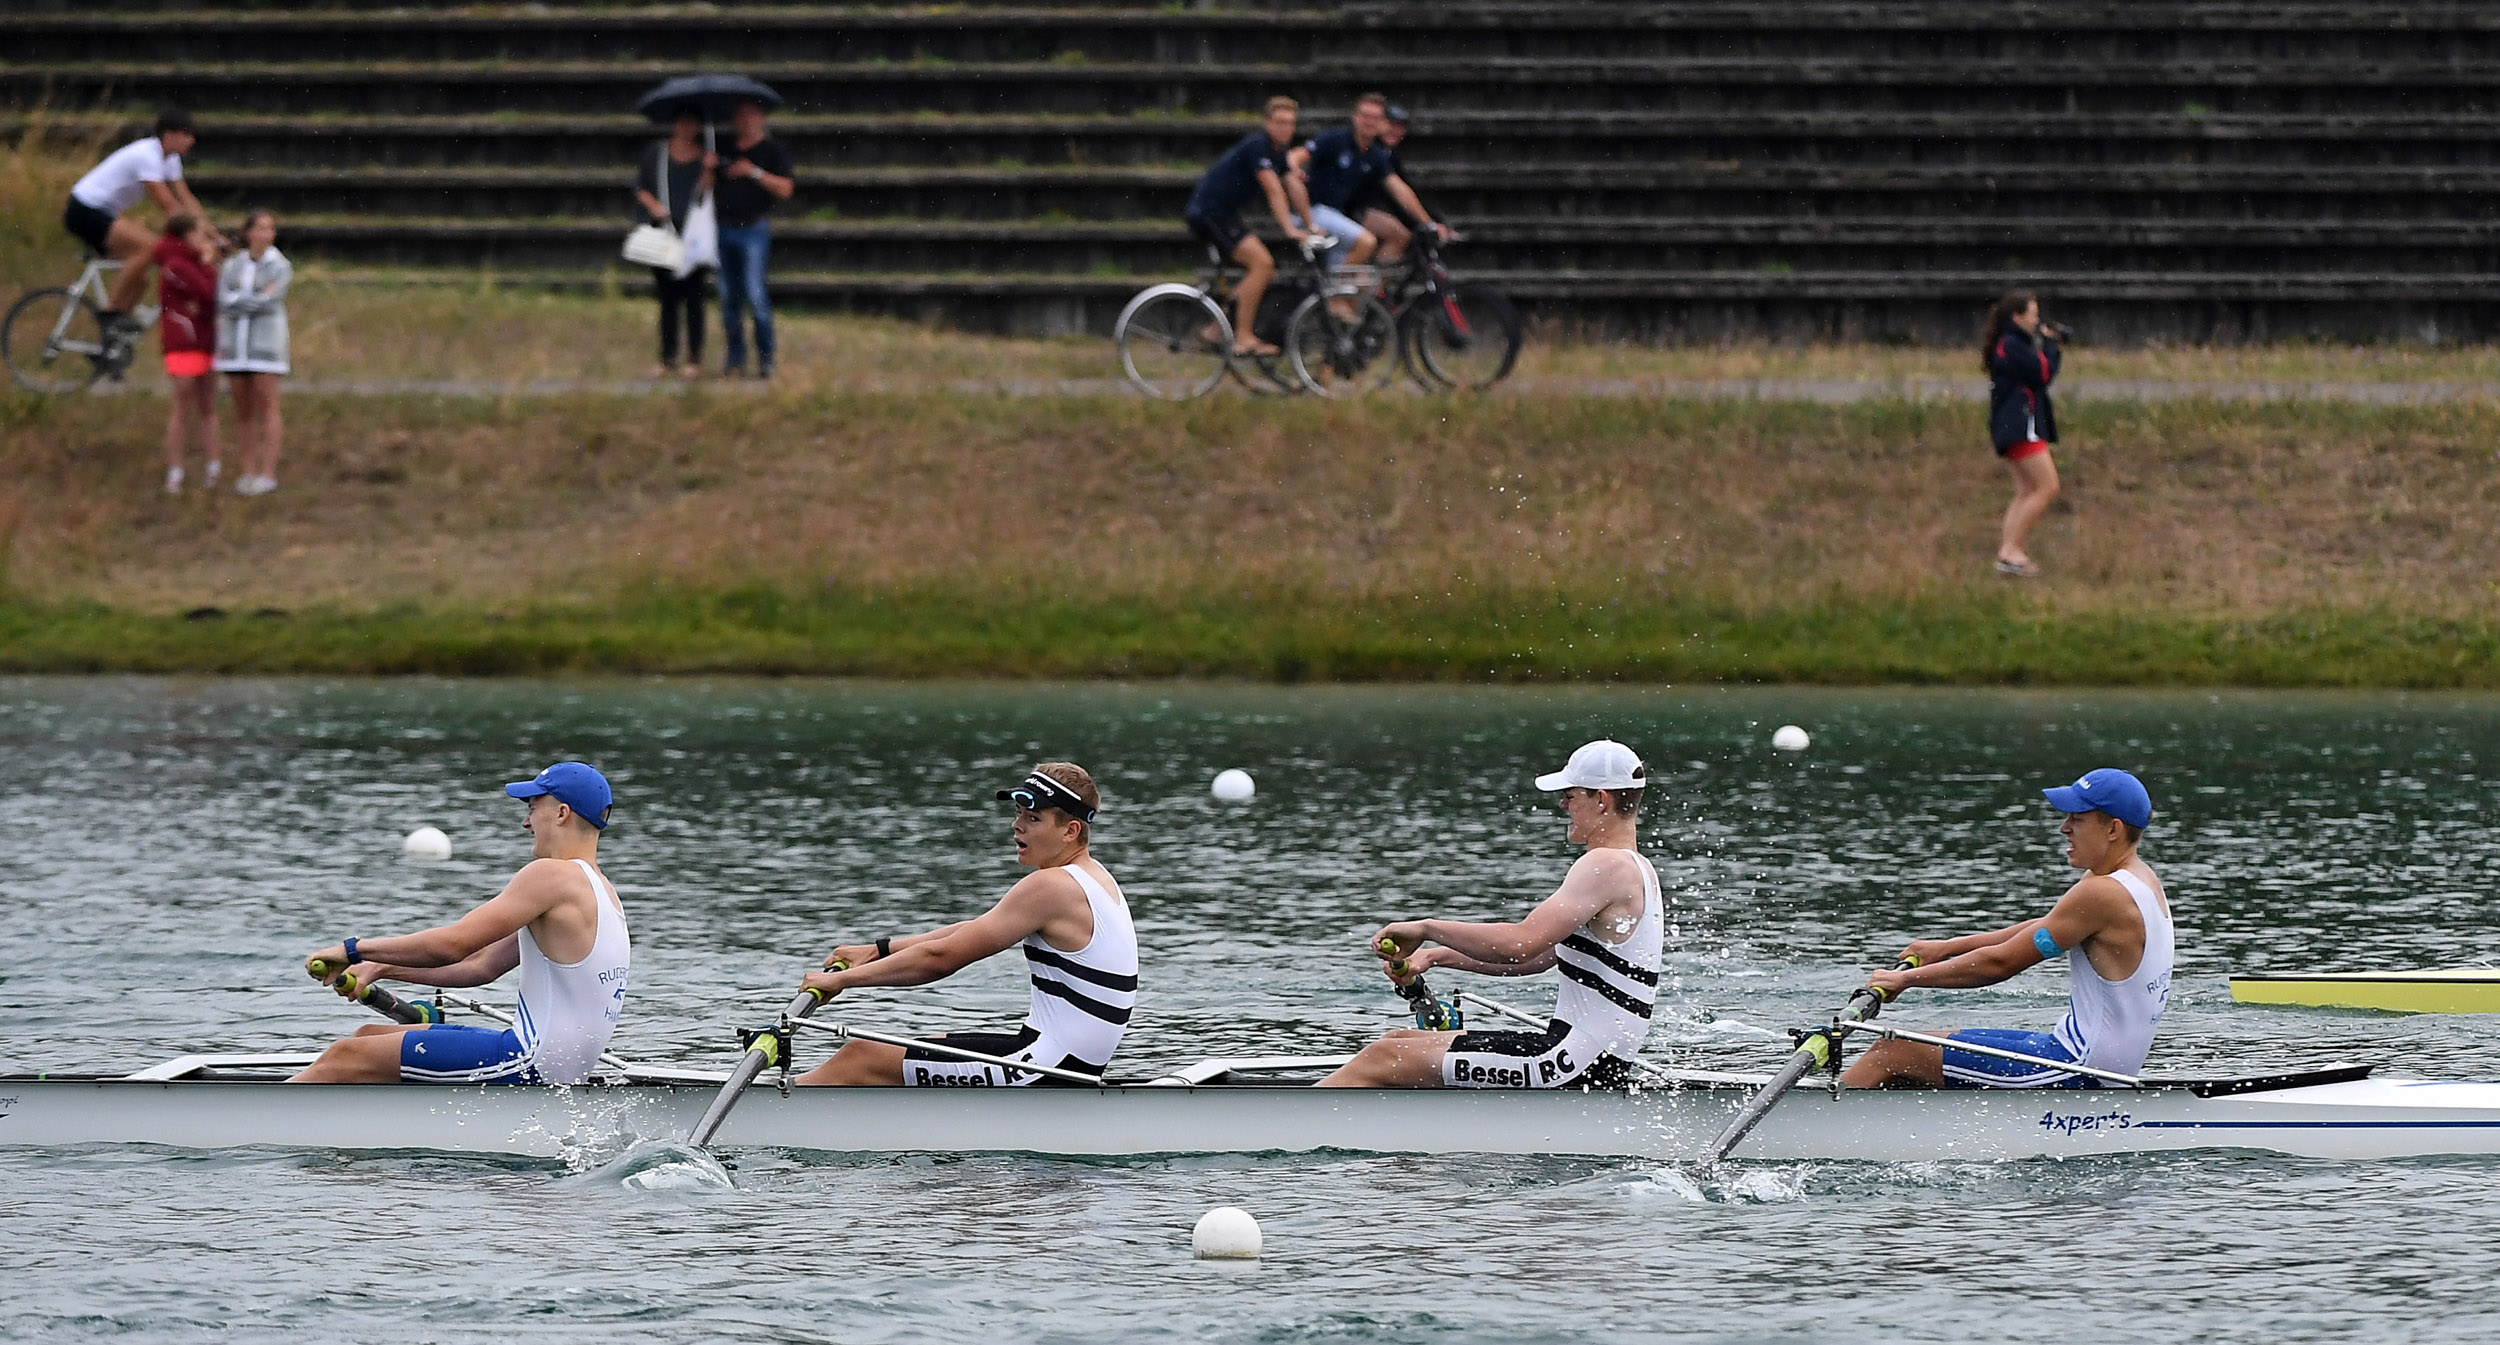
743,255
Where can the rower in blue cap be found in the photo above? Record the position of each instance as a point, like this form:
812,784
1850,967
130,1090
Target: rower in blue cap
2112,927
558,920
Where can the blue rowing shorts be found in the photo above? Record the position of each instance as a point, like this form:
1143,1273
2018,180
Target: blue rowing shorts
464,1053
1963,1069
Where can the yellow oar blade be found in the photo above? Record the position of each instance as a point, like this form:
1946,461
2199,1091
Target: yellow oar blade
2464,990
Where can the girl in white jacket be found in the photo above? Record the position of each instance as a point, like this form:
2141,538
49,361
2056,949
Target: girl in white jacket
252,347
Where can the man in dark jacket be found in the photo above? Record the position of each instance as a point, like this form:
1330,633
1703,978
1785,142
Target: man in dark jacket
1253,169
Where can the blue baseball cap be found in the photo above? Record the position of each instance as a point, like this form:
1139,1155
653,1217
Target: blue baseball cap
2107,790
573,784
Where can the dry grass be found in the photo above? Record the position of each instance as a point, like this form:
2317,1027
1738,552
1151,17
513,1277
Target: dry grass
868,470
2188,508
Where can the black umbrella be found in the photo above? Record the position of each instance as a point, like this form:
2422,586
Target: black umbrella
711,96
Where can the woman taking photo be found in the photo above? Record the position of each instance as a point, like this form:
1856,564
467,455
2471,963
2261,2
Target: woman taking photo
674,172
2021,356
252,347
186,288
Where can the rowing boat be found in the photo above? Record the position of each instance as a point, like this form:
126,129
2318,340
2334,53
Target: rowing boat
2464,990
1253,1106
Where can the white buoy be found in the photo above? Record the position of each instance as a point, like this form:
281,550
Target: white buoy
1790,738
426,843
1226,1233
1234,786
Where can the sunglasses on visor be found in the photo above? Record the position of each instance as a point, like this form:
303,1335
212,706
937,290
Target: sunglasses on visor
1039,791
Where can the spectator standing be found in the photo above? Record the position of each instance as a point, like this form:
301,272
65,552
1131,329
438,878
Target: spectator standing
674,173
252,348
187,290
755,174
2021,356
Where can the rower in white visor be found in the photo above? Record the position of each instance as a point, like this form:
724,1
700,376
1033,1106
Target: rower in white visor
1079,949
1602,930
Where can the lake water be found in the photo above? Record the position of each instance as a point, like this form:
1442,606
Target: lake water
169,852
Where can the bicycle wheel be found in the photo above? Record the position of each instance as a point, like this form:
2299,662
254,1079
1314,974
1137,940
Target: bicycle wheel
1174,342
1467,336
1339,357
53,342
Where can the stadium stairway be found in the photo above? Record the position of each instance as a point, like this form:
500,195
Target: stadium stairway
2199,170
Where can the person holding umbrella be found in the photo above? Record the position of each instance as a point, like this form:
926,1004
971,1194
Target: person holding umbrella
752,175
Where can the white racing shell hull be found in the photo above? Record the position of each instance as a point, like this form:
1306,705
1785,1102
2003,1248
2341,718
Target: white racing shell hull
2366,1118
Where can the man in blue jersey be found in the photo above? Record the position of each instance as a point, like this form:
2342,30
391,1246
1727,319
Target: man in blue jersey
1341,168
2114,932
1254,165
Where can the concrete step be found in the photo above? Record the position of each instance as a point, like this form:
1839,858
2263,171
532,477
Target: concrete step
1929,305
1461,190
266,141
1181,87
687,35
1626,245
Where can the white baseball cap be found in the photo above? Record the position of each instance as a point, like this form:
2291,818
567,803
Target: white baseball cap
1604,764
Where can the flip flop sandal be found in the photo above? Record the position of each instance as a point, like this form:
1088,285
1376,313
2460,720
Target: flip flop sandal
2018,569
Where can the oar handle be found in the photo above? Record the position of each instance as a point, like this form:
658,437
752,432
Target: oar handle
1432,1013
374,997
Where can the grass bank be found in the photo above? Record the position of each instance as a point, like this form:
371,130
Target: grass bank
878,512
1287,637
1492,539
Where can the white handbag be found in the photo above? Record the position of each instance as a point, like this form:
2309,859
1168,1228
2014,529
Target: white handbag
657,244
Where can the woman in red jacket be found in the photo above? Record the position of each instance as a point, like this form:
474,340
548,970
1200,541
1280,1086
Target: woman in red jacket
187,289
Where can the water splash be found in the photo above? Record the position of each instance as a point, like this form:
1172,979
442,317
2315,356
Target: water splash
1722,1185
659,1166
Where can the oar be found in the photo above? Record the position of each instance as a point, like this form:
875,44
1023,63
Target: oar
763,1051
376,998
1814,1050
1432,1013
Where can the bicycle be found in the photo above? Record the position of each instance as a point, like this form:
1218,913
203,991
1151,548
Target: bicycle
1451,333
54,339
1176,339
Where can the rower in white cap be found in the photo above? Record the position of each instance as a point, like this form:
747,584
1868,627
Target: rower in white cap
1602,929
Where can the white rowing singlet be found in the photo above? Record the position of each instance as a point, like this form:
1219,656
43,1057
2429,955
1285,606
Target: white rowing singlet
1609,990
568,1012
2109,1024
1082,1000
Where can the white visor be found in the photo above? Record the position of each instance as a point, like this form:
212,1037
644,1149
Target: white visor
1604,764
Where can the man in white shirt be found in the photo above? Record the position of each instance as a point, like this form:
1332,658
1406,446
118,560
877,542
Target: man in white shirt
149,169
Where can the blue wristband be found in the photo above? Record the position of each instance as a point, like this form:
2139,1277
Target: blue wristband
350,946
2048,947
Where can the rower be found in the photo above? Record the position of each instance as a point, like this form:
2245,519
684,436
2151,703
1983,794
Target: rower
559,920
2112,927
1602,929
1079,949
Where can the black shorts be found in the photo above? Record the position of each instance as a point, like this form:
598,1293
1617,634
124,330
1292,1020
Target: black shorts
1223,234
87,224
935,1069
1554,1058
